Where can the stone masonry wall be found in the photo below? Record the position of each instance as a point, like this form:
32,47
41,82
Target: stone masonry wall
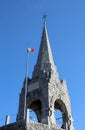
30,126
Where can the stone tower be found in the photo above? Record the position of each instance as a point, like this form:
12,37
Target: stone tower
45,94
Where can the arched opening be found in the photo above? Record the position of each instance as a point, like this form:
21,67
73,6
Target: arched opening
32,115
60,113
58,117
35,110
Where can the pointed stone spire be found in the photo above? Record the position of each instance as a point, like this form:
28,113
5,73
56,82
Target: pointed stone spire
45,54
45,60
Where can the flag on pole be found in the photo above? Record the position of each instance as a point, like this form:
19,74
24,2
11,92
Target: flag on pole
30,50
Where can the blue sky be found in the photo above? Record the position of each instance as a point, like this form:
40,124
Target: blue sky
21,22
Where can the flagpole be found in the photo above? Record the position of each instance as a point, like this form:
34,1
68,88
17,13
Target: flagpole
26,81
26,84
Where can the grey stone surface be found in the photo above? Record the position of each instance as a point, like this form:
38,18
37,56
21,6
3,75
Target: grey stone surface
29,126
45,94
45,60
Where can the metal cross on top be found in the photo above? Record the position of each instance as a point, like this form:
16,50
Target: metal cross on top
44,17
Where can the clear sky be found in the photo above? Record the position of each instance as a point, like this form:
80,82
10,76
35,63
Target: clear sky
21,22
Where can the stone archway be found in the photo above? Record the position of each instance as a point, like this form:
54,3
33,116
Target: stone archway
60,108
35,106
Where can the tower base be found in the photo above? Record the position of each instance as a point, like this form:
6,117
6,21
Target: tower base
21,125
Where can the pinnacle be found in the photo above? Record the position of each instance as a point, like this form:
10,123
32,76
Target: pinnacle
45,54
45,60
